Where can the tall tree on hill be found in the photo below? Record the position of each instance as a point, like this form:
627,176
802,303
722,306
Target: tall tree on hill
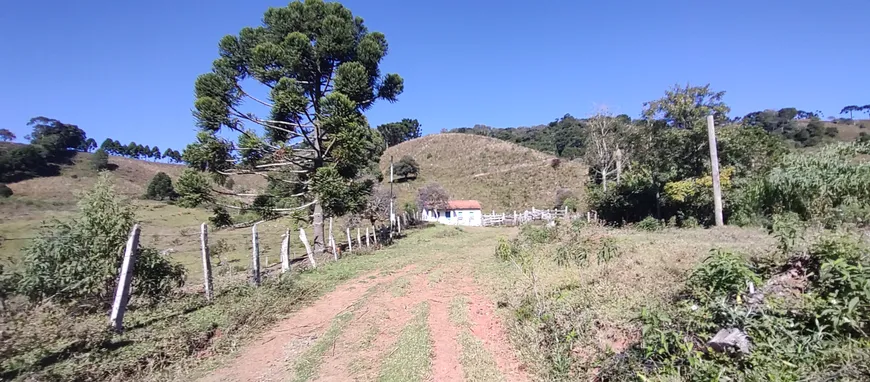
155,153
321,67
90,145
688,107
132,150
398,132
58,138
850,109
6,135
407,166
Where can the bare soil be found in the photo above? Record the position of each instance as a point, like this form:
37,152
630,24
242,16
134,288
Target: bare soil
381,307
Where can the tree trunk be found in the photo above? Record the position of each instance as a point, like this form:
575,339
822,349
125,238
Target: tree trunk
604,179
317,222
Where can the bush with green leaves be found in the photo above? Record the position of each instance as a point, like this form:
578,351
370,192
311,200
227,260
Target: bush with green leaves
649,224
77,260
220,217
406,167
808,320
160,187
193,189
816,185
5,191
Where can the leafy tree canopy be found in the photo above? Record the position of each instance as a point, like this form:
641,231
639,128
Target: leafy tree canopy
688,107
406,167
398,132
56,137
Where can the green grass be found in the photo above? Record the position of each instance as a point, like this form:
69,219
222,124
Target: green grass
458,311
477,363
410,360
309,363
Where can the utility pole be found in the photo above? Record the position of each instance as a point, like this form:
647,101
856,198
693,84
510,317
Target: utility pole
392,217
714,163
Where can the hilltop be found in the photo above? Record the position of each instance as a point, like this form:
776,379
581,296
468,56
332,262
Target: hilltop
503,176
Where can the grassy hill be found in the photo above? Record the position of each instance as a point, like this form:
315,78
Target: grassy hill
503,176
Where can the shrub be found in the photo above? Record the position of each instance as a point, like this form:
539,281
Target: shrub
78,260
229,183
220,218
649,224
160,187
690,222
5,191
193,189
100,160
721,274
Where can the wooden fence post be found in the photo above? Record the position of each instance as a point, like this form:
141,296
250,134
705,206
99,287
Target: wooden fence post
125,279
307,247
285,253
206,262
255,256
714,163
332,241
367,238
349,241
358,238
375,234
399,225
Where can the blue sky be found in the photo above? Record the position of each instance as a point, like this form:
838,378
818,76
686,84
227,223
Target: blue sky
125,69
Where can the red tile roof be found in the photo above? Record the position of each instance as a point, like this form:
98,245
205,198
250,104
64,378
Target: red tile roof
463,205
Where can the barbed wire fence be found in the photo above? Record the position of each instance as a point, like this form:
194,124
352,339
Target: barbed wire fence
337,243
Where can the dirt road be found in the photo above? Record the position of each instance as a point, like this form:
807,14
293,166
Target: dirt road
427,320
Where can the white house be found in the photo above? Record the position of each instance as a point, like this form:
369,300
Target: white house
458,212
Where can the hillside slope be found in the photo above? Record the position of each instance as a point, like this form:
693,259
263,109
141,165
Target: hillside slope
131,179
503,176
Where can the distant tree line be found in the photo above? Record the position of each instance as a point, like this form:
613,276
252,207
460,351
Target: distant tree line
137,151
566,137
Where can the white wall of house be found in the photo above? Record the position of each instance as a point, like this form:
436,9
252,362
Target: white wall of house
469,217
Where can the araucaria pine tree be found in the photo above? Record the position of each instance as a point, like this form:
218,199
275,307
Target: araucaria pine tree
321,69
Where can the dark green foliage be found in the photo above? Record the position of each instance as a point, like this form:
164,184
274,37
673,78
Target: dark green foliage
77,261
649,223
5,191
58,139
193,189
264,206
160,187
6,135
24,162
406,167
99,160
398,132
321,67
220,217
565,197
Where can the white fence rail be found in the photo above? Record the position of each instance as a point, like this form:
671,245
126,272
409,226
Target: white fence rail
518,218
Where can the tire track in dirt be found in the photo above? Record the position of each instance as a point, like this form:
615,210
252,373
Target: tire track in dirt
487,327
267,357
388,315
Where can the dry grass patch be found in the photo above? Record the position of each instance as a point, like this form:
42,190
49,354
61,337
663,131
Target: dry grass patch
503,176
568,315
